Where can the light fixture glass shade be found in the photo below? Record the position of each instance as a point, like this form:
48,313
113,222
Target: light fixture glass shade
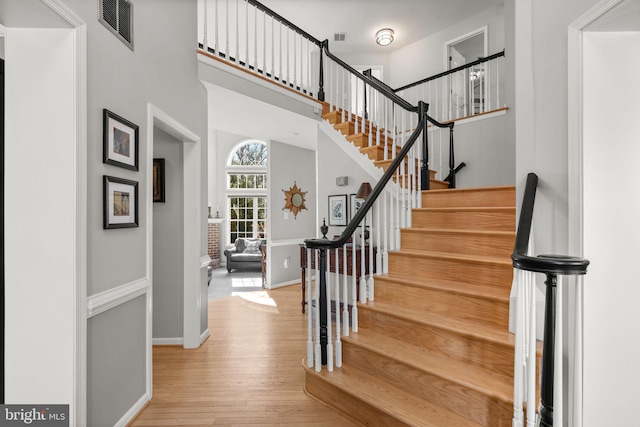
364,191
384,37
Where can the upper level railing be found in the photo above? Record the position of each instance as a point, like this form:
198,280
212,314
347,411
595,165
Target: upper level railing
525,380
471,89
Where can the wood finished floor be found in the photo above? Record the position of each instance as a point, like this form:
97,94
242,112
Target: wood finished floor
248,373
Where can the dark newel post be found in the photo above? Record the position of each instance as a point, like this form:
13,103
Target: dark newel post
422,113
548,353
321,76
322,306
452,161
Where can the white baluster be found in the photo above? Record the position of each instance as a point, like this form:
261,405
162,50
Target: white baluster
337,293
205,42
354,309
378,238
370,280
264,43
575,375
363,280
329,322
216,45
531,353
237,58
280,53
227,30
255,39
273,49
309,311
288,57
519,354
316,313
498,62
345,291
558,363
387,231
295,62
246,20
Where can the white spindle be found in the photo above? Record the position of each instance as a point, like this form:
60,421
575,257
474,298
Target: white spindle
363,280
226,52
205,42
354,309
345,291
310,361
295,62
316,314
378,240
237,58
519,351
273,49
337,293
280,52
370,280
558,363
288,57
531,352
328,302
385,235
216,45
264,43
246,19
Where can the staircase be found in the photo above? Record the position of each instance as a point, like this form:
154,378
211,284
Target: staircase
375,152
433,349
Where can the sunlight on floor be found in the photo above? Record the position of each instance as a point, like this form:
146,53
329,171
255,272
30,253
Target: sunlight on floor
246,282
258,297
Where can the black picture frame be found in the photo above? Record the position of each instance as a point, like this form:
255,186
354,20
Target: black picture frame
354,205
120,140
158,176
338,210
120,203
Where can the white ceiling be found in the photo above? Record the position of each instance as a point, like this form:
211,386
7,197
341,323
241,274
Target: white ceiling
411,20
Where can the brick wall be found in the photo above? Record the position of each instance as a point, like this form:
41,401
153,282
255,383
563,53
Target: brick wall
214,244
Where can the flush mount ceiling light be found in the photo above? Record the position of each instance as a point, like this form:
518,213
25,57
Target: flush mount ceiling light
384,37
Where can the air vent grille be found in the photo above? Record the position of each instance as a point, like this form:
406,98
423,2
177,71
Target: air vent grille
339,37
117,16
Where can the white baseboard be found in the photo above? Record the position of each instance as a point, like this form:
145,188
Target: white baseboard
204,336
133,412
280,285
167,341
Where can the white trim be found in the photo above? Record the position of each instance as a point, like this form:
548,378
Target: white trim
78,413
3,30
168,341
204,335
192,207
133,412
103,301
482,30
269,84
205,260
575,173
289,283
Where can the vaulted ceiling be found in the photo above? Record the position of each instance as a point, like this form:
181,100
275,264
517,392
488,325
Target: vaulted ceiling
411,20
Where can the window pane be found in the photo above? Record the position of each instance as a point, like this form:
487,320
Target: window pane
251,181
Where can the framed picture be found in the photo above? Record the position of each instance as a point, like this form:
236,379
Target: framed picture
120,141
120,202
354,205
158,180
338,210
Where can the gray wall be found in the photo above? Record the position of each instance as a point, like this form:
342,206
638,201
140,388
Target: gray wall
116,362
168,217
162,70
289,164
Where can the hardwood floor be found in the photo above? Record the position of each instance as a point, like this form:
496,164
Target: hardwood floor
248,373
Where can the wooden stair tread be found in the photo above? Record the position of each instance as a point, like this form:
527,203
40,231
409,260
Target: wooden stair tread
466,232
460,326
472,259
403,406
461,288
468,208
496,188
474,377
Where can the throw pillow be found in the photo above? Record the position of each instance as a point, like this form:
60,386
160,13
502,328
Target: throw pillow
240,245
252,247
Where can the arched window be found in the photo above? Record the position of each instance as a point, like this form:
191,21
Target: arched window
247,190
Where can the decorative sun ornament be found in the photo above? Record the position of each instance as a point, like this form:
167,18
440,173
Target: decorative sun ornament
294,199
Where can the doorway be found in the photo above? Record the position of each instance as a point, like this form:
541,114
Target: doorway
2,219
467,87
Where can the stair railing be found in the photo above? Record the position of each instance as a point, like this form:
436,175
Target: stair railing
253,37
464,91
552,266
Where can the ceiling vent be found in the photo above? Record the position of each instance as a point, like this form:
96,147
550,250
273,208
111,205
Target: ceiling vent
117,16
339,37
